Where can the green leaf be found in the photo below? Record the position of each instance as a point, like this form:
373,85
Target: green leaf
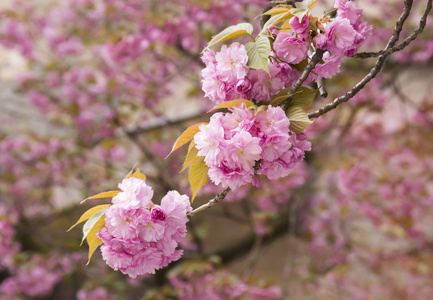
230,32
299,12
92,222
109,194
278,98
92,239
89,213
198,175
303,97
301,66
186,136
298,119
232,103
258,53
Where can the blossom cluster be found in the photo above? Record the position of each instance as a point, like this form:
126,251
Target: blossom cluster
233,142
140,236
36,278
227,75
346,33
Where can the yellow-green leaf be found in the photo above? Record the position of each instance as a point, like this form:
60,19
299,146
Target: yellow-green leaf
198,176
132,170
285,27
301,66
232,103
92,239
278,10
258,53
231,32
303,97
278,98
298,119
299,12
191,157
91,222
276,19
186,136
89,213
136,174
311,4
109,194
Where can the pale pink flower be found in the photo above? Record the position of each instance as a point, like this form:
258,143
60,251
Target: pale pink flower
210,141
274,146
136,193
122,220
208,57
289,48
232,62
244,150
271,120
300,28
330,67
263,85
212,84
230,175
339,37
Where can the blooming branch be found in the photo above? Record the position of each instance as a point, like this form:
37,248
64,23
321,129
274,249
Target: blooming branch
389,49
218,198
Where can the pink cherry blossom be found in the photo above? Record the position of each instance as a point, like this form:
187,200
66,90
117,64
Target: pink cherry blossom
289,48
232,62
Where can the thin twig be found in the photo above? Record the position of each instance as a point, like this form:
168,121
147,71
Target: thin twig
218,198
317,57
381,60
396,48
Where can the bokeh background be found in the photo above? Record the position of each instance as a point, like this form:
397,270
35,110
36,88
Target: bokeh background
90,87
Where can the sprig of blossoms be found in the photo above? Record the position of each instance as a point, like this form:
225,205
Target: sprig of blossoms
228,74
140,236
233,142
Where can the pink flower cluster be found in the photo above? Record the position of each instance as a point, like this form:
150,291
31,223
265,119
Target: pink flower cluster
233,142
227,76
34,279
346,33
140,236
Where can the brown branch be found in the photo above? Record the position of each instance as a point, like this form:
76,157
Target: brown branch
218,198
161,123
396,48
317,57
381,60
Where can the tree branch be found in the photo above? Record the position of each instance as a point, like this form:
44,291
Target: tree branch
317,57
398,47
381,60
218,198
